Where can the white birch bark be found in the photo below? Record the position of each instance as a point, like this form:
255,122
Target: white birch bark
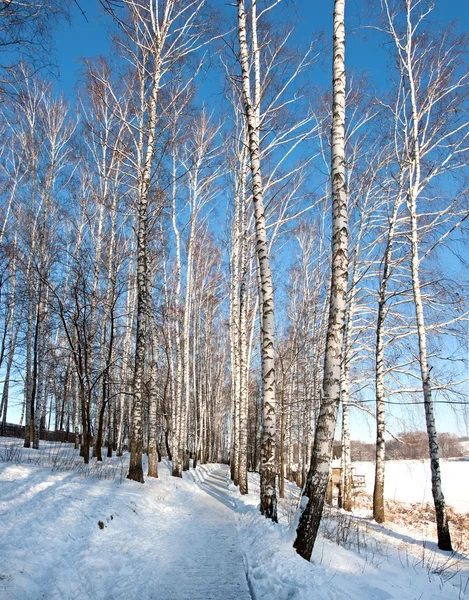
28,366
324,436
94,316
177,372
76,414
41,398
103,369
444,538
13,337
346,483
243,339
379,514
146,152
106,171
153,409
234,343
268,499
186,338
423,134
124,371
169,403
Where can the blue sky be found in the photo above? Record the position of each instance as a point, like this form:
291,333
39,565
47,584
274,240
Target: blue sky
87,39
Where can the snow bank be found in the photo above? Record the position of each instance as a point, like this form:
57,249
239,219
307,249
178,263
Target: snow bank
353,559
200,473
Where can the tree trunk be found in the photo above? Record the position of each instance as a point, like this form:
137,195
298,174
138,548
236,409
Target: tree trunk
268,499
322,451
144,180
379,514
243,338
153,430
281,475
186,331
28,368
346,483
234,339
177,372
34,379
136,441
444,537
124,372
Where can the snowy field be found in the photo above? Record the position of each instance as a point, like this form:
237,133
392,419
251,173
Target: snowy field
70,532
410,481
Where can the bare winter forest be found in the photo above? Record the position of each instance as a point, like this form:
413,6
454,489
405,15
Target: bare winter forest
233,268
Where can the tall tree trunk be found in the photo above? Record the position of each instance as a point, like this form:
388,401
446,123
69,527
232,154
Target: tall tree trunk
177,372
99,413
379,514
281,475
268,499
346,478
28,368
153,400
136,440
85,438
234,342
41,400
346,483
324,436
124,371
14,330
186,331
444,537
135,468
34,378
109,299
76,414
243,343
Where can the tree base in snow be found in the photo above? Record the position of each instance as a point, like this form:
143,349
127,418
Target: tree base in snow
136,470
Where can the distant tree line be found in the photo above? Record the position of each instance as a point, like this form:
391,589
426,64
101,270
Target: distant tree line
411,445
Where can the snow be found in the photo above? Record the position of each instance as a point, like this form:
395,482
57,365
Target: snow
410,481
170,538
190,539
353,559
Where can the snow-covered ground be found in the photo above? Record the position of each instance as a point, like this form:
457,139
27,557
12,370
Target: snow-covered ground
74,532
353,559
70,532
410,481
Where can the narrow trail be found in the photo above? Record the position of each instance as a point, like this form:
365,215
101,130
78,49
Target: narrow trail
205,554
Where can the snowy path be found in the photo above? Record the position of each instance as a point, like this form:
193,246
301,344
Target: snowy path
204,558
169,539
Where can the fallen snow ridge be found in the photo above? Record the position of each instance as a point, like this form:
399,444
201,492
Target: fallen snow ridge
74,532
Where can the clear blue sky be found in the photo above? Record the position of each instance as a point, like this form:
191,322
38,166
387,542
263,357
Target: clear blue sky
87,39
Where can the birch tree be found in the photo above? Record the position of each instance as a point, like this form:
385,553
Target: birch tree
434,129
252,109
384,279
324,435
